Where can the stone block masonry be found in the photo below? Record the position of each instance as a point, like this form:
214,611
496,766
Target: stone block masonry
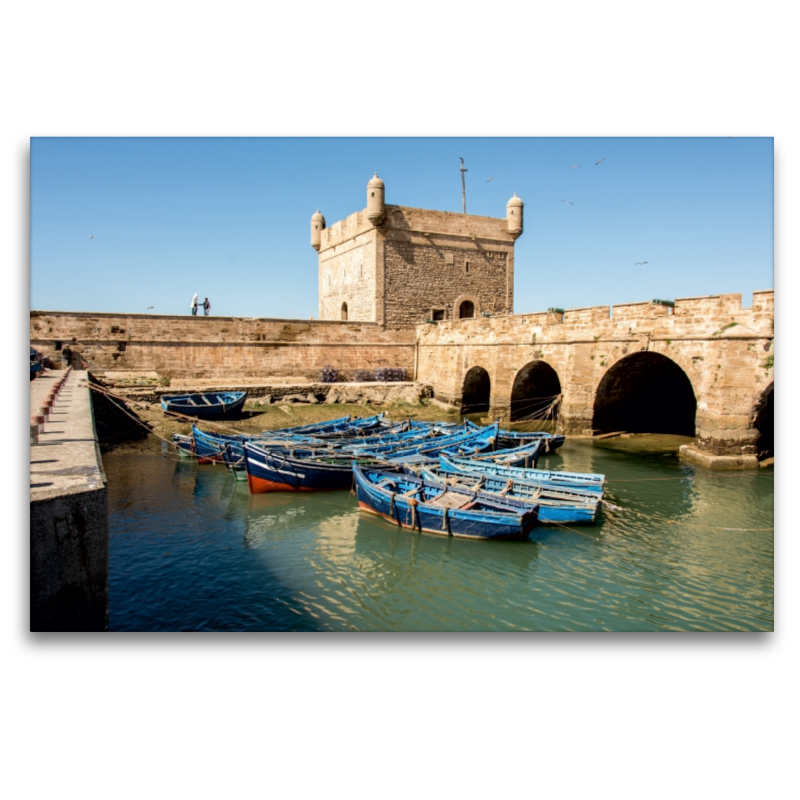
233,348
414,265
719,354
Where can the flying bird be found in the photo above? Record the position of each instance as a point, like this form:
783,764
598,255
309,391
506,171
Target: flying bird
602,159
568,201
639,263
92,236
149,307
573,166
488,179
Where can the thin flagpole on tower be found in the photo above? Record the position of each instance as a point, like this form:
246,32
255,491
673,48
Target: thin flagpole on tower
463,187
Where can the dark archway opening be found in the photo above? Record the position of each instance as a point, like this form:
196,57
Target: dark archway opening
466,310
765,425
344,311
476,392
645,393
535,393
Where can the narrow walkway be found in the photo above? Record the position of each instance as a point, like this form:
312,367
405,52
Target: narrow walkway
66,459
69,511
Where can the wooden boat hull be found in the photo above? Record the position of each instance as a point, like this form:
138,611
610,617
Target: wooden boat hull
205,405
526,455
185,445
475,522
555,507
207,449
588,481
462,443
276,471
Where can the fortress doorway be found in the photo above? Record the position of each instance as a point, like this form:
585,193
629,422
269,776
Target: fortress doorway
476,391
466,310
765,425
535,393
645,393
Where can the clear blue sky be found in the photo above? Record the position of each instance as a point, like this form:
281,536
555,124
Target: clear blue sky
229,217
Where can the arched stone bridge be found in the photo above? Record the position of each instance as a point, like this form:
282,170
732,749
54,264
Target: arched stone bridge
702,368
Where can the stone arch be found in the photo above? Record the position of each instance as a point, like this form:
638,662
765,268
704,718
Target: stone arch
344,311
764,423
645,392
476,391
466,302
536,387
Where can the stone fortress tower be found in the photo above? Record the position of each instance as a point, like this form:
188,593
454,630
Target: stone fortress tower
400,266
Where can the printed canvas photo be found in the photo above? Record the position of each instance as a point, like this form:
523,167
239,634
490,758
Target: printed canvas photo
402,384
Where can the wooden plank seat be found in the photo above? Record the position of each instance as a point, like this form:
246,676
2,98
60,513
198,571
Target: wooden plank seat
450,500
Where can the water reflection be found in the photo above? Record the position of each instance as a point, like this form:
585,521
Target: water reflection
192,549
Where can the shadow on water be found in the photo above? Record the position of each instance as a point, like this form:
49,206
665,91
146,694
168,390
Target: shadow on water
175,557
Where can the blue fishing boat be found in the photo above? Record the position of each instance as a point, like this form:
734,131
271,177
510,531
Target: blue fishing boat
416,437
279,471
450,511
550,441
556,506
234,458
208,448
185,445
590,481
469,443
205,405
356,427
312,426
524,456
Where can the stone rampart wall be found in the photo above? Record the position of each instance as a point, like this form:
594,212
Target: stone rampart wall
221,347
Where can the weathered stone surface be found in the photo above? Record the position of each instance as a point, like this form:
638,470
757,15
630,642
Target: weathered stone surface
377,393
68,514
414,263
716,462
721,347
724,351
220,347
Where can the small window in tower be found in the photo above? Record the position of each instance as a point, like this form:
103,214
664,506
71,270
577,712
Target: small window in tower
466,267
372,194
438,314
344,311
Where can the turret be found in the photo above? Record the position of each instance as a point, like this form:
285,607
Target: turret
514,216
376,207
317,226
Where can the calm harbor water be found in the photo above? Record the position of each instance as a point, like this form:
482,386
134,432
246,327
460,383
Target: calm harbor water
688,550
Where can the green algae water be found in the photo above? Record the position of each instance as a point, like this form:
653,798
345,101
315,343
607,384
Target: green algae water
676,548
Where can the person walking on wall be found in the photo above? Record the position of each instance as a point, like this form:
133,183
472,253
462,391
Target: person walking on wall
66,354
206,306
194,305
